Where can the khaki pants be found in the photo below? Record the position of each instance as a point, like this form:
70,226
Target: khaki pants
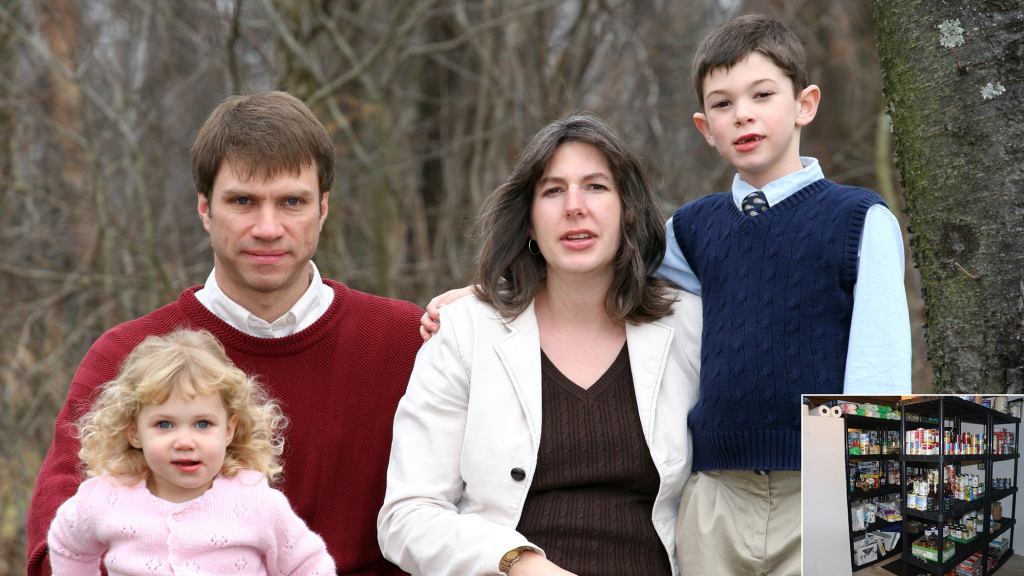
739,522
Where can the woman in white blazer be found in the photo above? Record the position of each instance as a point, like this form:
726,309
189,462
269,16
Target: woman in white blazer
544,428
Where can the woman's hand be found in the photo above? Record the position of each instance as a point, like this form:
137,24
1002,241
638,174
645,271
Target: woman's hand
533,564
430,322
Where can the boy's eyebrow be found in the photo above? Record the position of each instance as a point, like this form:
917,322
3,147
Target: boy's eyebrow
749,85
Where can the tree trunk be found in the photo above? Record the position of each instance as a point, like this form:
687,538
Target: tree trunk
952,74
59,27
7,60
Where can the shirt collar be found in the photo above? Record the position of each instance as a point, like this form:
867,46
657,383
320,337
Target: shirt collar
307,309
778,190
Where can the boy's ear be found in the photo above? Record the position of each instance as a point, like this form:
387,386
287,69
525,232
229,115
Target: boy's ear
704,127
807,105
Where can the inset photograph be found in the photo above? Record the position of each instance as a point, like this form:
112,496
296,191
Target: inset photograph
912,485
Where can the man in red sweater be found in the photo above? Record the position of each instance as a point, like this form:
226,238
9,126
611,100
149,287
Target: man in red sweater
336,359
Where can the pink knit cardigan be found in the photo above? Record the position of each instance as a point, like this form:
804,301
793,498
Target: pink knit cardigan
239,526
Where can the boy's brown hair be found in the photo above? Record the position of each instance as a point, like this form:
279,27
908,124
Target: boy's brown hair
262,135
732,41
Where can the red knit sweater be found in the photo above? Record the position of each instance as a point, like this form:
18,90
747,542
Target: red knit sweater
338,382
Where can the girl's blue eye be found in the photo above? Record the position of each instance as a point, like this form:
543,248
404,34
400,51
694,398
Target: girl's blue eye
163,425
203,424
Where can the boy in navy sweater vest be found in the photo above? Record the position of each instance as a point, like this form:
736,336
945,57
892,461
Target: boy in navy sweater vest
802,288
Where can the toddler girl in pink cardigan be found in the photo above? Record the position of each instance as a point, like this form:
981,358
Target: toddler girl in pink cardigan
179,449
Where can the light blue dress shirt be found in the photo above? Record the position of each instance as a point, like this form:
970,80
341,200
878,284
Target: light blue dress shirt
878,358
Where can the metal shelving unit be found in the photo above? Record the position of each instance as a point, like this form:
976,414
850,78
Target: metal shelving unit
952,412
855,422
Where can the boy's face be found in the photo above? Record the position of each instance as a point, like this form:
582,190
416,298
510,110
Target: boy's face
752,117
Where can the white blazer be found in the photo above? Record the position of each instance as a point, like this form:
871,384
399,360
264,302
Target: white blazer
472,414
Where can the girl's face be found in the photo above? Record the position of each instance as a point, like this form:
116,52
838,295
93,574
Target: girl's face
576,214
184,441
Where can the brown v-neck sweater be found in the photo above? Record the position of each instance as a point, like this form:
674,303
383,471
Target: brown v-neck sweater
590,503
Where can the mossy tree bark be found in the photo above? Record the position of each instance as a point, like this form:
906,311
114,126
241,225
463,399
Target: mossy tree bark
952,74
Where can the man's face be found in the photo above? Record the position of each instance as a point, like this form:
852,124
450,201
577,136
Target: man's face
263,234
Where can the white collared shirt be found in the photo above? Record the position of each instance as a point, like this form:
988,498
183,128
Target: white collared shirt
306,310
878,358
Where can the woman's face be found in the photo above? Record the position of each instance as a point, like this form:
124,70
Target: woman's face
576,213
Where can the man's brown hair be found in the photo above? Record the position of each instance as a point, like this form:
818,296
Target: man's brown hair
732,41
262,135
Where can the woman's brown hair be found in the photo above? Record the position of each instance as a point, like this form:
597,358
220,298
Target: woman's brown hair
509,275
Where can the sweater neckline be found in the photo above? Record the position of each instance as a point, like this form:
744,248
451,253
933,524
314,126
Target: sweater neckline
142,488
614,373
782,207
220,481
268,347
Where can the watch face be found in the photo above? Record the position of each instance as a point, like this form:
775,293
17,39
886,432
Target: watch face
510,558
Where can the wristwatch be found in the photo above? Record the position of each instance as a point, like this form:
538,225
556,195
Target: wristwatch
510,558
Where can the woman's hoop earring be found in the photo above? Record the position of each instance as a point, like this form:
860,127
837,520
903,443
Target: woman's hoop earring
532,246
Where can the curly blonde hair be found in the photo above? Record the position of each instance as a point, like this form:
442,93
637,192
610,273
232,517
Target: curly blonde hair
191,362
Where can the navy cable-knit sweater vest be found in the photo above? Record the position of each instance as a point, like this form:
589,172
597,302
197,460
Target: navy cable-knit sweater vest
777,293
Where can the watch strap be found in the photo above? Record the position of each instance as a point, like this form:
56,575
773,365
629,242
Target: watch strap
510,558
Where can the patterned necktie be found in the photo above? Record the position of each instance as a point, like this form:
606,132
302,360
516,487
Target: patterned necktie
755,204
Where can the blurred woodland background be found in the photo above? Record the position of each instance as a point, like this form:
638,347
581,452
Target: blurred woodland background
428,102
